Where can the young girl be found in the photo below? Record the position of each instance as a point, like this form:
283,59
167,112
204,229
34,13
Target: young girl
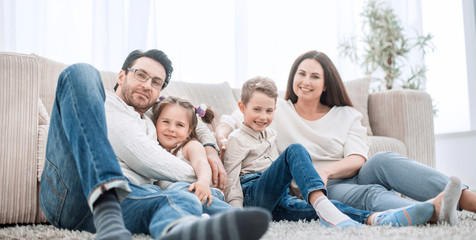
175,120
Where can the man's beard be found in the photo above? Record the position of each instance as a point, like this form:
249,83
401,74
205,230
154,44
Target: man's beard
128,95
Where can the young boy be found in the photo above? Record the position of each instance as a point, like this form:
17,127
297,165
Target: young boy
259,176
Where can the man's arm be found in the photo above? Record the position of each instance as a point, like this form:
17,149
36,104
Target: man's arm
134,144
206,137
219,176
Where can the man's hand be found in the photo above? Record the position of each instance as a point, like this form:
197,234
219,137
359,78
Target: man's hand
219,175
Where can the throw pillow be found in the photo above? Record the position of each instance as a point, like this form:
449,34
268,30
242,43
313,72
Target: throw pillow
358,91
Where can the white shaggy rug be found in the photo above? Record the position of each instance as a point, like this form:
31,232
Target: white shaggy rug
466,229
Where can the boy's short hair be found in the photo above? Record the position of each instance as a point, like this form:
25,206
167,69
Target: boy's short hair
260,84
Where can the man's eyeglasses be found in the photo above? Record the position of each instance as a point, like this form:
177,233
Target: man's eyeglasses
142,76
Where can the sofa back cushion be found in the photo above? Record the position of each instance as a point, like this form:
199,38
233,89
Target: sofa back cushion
219,96
49,71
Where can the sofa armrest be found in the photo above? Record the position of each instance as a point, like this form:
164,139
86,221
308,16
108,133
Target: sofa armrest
19,138
406,115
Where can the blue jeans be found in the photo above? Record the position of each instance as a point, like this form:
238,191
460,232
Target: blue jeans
270,189
374,187
218,204
81,164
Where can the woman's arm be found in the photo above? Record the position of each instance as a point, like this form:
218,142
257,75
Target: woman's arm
355,148
344,168
226,125
195,153
221,134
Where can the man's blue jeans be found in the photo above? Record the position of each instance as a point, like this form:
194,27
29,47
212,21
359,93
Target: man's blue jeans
385,173
270,189
81,164
218,204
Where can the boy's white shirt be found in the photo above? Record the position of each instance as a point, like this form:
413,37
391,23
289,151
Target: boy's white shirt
248,151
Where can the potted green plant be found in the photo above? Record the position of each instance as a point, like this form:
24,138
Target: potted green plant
386,48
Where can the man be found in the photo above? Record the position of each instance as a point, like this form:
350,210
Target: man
84,186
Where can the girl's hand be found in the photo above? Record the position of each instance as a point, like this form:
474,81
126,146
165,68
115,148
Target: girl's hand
202,191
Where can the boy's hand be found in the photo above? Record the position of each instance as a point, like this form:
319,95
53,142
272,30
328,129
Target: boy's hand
202,191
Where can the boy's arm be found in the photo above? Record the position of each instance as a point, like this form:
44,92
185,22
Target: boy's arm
233,159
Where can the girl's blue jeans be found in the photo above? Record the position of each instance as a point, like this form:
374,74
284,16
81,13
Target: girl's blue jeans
218,202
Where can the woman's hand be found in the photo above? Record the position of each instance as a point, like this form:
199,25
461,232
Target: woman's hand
202,191
324,175
345,168
221,134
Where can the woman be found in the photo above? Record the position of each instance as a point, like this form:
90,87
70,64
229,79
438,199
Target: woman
324,121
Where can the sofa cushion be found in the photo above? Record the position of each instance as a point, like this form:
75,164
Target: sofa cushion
218,96
381,144
358,91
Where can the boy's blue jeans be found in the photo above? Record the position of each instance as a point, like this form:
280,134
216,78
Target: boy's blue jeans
81,164
270,189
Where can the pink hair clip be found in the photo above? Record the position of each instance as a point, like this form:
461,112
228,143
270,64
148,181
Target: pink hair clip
201,110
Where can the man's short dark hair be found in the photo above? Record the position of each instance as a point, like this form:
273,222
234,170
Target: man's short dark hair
155,54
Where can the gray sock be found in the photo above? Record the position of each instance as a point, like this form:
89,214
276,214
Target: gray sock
108,218
450,202
239,224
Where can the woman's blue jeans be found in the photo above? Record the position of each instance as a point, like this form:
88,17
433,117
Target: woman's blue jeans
374,187
81,164
270,189
218,203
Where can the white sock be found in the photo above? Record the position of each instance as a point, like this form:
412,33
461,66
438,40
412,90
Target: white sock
450,202
328,212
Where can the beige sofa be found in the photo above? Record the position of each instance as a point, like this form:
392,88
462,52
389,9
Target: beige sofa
398,120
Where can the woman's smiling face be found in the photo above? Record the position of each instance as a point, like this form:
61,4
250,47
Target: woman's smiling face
309,81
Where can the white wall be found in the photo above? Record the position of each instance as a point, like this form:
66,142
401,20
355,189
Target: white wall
447,74
469,16
456,156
